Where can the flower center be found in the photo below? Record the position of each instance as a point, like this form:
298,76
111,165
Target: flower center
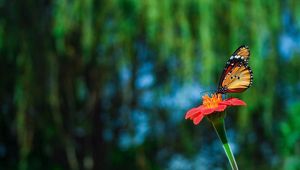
213,101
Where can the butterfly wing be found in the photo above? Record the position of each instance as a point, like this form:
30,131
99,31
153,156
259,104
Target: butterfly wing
243,51
237,75
238,79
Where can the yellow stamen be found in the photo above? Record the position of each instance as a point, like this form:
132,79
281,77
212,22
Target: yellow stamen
213,101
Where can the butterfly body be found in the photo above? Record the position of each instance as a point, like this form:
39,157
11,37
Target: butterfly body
237,75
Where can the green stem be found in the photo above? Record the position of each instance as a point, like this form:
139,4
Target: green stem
219,127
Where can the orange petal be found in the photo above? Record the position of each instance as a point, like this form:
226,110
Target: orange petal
208,111
197,119
221,108
194,111
233,102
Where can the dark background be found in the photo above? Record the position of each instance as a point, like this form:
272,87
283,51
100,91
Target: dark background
106,84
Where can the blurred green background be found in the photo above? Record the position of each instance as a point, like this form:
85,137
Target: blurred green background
106,84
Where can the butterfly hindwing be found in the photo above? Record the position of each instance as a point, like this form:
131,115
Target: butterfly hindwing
238,79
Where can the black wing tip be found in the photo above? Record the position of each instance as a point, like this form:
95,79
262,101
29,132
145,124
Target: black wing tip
242,46
245,46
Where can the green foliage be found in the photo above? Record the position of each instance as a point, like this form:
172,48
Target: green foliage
71,75
290,139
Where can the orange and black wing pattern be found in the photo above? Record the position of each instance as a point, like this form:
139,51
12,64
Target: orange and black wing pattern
237,75
243,52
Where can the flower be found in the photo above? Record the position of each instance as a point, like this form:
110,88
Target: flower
212,104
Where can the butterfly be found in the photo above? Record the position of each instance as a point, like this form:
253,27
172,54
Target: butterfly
237,75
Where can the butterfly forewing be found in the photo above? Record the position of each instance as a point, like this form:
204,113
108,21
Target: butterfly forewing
243,51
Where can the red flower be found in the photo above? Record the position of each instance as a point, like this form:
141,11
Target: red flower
211,105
